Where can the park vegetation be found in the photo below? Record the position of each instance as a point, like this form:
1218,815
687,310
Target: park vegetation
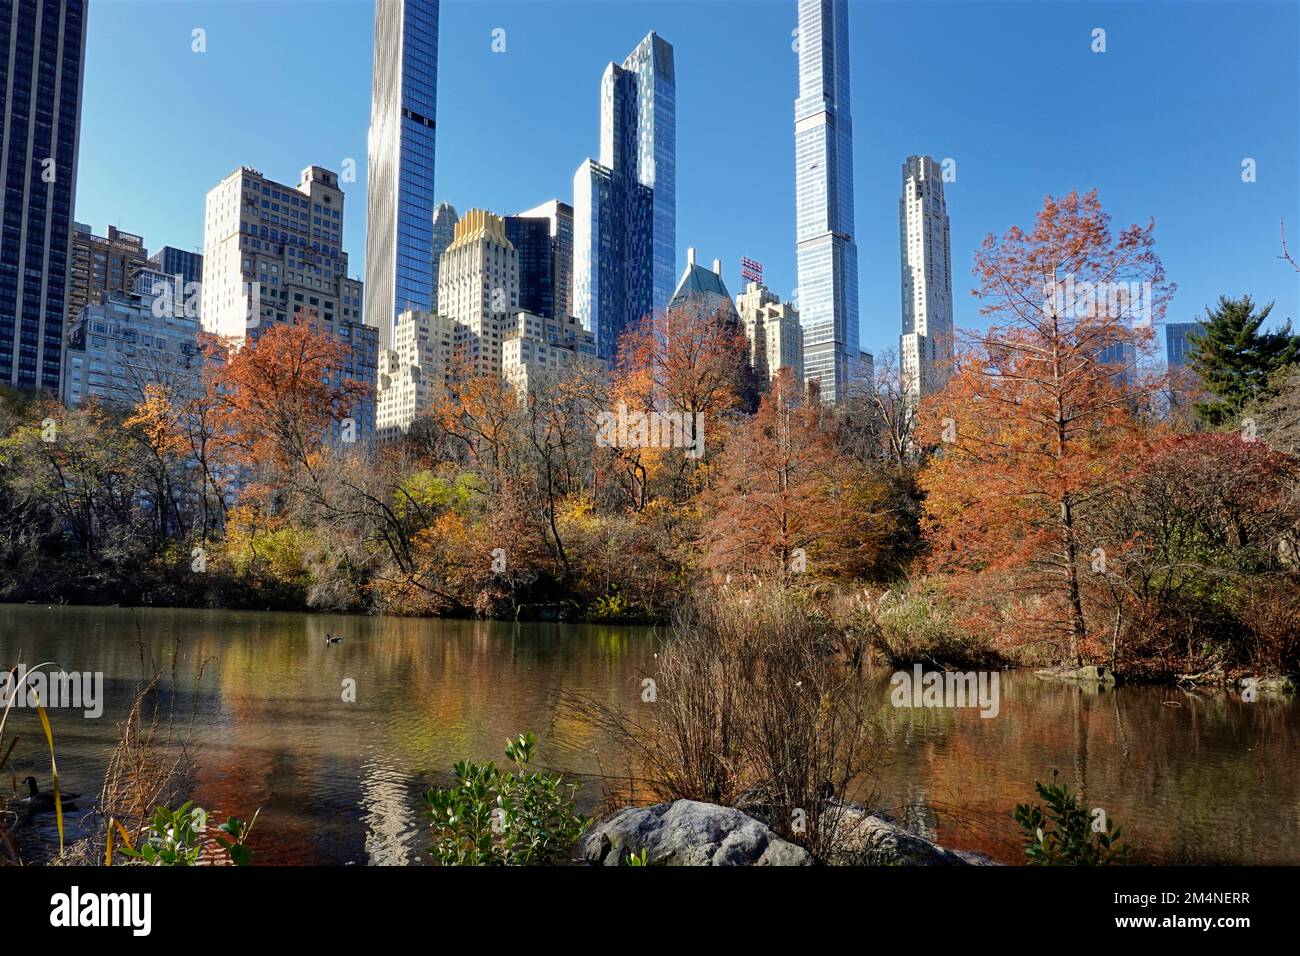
1048,505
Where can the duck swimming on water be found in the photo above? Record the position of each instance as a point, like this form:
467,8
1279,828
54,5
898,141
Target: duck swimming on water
333,640
37,801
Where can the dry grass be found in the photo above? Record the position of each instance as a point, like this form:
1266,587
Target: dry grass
754,707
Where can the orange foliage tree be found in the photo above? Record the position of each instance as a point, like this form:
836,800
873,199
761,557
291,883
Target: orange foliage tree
1043,408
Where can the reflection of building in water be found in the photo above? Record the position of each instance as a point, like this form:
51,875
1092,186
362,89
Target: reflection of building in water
389,815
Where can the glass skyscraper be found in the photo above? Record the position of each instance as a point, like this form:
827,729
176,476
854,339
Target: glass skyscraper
444,230
625,205
827,256
400,204
42,56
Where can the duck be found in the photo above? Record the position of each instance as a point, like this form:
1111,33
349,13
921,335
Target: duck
333,640
38,801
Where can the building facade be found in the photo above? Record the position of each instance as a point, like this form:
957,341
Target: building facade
399,202
413,372
179,264
272,253
559,215
539,347
42,57
1178,342
531,237
774,332
102,264
478,289
444,230
624,206
926,343
123,342
826,253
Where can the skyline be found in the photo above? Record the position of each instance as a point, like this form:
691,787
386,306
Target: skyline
511,144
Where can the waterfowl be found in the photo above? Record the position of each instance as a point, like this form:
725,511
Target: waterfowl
38,801
333,640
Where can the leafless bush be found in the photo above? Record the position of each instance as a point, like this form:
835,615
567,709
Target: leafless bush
753,707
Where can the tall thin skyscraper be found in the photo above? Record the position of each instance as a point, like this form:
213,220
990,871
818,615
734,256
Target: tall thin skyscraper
399,208
444,230
826,254
42,57
625,205
560,217
925,345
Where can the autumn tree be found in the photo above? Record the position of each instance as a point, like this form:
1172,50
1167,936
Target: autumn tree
1029,430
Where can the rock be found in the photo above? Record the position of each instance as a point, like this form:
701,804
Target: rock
864,839
689,833
1089,673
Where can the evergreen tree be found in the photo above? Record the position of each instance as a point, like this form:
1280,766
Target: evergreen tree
1234,359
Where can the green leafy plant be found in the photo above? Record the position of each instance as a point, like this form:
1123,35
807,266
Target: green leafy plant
178,838
491,817
173,838
636,859
1065,834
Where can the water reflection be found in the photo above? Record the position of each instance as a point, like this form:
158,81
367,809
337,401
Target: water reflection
1198,777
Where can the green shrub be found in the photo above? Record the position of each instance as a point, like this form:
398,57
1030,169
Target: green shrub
504,818
178,838
1065,835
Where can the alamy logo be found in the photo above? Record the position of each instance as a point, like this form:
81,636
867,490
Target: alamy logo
74,909
624,429
937,689
20,687
1130,301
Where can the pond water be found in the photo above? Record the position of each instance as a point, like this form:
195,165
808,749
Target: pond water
1195,777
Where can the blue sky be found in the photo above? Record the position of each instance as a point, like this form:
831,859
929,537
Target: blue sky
1160,122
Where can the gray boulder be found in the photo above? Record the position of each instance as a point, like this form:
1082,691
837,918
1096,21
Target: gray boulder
689,833
864,839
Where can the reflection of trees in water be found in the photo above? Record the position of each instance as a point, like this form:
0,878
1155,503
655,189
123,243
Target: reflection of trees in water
1192,776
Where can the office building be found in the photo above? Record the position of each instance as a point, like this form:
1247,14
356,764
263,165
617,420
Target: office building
559,216
1178,342
42,56
187,267
399,202
531,237
826,254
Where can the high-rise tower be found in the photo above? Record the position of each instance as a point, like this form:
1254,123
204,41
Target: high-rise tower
823,149
925,345
42,55
625,205
399,203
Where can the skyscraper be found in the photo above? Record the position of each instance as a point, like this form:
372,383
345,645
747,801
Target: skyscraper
399,210
925,345
827,256
1178,342
531,237
478,289
444,229
42,55
625,205
560,216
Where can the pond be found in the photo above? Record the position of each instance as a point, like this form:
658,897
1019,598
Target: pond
1195,777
